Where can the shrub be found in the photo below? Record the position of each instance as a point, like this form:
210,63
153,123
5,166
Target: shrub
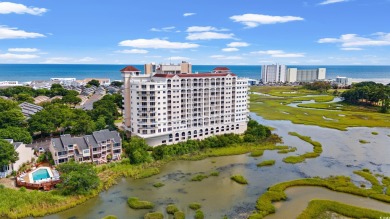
257,153
195,206
77,178
239,179
154,215
134,203
374,133
23,189
171,209
285,151
110,217
159,184
215,173
199,214
293,159
266,163
179,215
363,141
199,177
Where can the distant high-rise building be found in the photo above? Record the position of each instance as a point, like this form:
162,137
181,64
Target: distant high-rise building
273,73
343,80
150,68
305,75
181,68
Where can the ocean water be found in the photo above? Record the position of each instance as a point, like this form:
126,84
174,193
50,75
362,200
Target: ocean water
30,72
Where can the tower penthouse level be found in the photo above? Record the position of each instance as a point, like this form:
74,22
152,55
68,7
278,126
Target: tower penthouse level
170,108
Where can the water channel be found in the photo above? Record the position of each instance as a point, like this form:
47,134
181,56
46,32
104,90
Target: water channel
219,196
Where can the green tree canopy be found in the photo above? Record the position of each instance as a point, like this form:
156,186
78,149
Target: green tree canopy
17,134
24,97
10,114
7,153
77,178
71,99
117,83
94,82
136,150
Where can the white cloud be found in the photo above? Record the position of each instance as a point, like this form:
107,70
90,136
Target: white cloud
222,57
17,56
86,59
57,60
133,51
9,7
189,14
351,49
164,29
279,54
238,44
177,58
254,20
355,41
327,2
209,36
23,50
14,33
157,44
204,29
230,49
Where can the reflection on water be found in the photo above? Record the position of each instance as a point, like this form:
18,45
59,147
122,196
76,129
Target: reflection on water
219,196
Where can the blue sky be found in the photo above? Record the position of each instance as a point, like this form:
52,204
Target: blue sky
311,32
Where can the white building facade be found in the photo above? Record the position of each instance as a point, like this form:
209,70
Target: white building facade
170,108
273,73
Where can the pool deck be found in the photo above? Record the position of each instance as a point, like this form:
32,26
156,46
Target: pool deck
31,179
26,179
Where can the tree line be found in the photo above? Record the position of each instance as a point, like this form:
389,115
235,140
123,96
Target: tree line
137,149
369,93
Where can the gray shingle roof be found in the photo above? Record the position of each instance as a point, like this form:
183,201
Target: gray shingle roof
84,142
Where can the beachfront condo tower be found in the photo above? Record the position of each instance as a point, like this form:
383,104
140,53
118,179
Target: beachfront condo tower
173,104
273,73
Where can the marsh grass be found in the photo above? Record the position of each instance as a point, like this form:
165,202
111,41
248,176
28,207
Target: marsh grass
270,108
286,151
318,208
195,206
239,179
179,215
266,163
199,177
374,133
135,203
361,141
154,215
199,214
343,184
257,153
110,217
317,150
159,184
215,173
171,209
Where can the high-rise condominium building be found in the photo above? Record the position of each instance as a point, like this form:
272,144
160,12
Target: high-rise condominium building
273,73
173,106
305,75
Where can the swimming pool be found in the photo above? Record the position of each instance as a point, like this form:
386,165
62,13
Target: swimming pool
40,174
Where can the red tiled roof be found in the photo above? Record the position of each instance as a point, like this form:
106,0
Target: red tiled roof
129,68
193,75
221,69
